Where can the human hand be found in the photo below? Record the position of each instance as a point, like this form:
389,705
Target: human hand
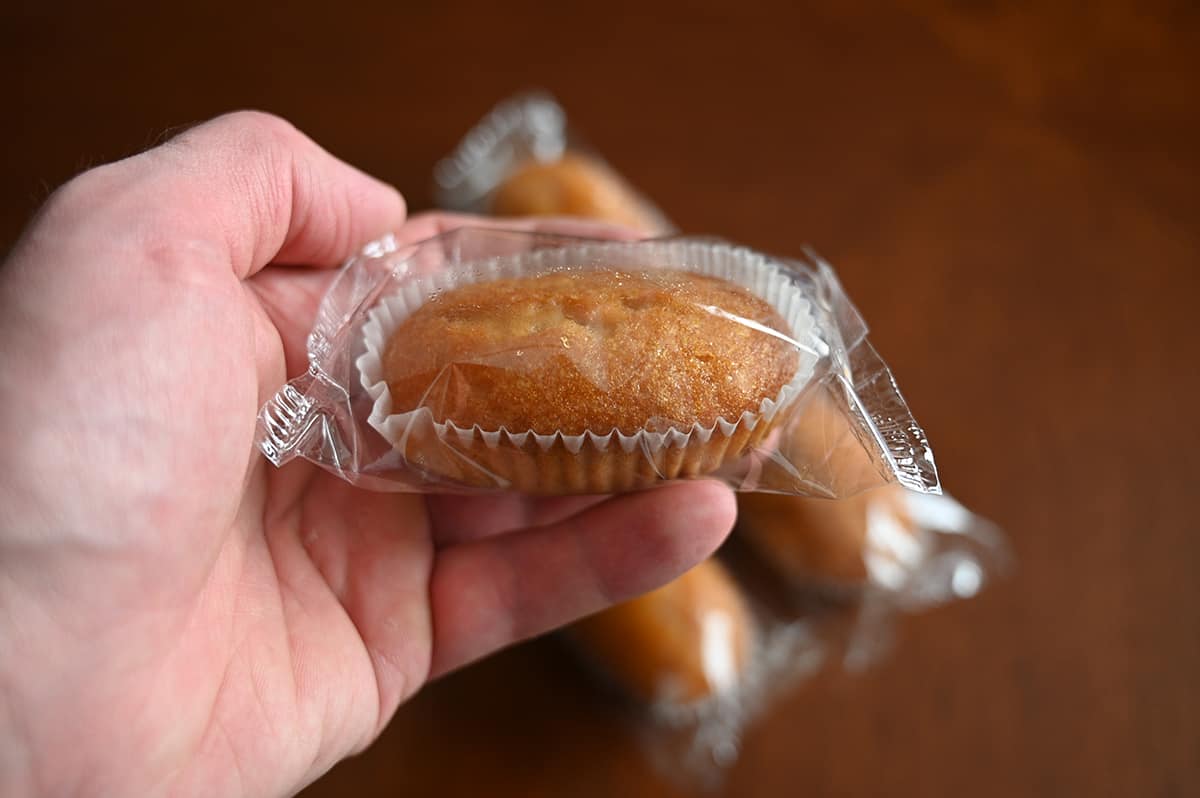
176,617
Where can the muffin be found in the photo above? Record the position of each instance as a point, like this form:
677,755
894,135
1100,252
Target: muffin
683,643
574,185
556,372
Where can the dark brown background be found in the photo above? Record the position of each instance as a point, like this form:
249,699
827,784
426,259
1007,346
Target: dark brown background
1010,195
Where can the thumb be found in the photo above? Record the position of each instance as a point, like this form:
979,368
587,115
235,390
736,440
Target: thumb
241,191
275,194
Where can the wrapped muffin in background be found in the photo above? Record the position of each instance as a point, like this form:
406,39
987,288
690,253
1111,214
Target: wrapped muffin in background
685,643
522,159
573,185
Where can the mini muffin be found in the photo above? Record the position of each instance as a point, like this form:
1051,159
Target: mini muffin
574,185
685,642
590,352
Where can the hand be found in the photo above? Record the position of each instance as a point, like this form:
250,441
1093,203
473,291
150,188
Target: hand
176,616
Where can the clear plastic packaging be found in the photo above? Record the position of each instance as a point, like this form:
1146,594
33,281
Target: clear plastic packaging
699,357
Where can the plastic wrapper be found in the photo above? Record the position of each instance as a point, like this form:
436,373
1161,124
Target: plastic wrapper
804,583
499,360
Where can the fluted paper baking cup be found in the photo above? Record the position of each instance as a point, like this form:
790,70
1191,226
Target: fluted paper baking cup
593,461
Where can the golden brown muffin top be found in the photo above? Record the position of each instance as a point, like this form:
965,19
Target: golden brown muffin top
589,349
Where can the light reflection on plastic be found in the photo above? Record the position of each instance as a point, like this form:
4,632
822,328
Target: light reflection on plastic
938,512
380,246
716,651
818,348
892,551
966,579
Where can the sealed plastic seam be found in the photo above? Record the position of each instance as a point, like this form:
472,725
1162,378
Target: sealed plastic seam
284,421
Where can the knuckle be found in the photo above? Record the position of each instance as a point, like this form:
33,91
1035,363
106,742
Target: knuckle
89,200
253,130
82,194
259,128
253,155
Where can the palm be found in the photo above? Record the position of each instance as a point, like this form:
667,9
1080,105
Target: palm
329,630
233,628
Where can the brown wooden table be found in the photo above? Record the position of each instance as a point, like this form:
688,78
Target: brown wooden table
1010,195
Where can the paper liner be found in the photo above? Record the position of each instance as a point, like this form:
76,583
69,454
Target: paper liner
594,461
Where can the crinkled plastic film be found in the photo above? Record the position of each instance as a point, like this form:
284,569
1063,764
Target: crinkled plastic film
340,414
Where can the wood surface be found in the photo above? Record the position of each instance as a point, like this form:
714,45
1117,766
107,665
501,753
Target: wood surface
1009,192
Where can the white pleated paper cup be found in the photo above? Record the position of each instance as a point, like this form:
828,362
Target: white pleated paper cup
595,461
